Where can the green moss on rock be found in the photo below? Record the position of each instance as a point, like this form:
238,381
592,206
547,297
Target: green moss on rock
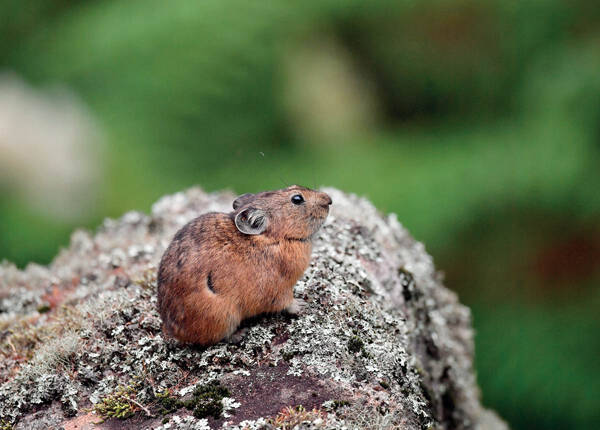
207,400
119,404
355,344
167,402
5,425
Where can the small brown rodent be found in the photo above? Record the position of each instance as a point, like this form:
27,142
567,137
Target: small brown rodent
222,268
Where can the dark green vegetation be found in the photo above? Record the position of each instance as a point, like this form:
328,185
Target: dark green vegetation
355,344
482,135
168,402
205,401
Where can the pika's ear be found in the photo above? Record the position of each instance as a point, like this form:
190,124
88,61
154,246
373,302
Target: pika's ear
251,221
241,200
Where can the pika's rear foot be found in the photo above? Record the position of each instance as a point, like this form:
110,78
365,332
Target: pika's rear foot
297,307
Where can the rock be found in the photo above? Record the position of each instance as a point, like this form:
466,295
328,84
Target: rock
382,343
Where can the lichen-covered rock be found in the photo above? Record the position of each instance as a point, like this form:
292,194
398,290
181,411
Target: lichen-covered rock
382,344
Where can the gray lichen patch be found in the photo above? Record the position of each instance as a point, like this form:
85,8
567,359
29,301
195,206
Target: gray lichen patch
382,343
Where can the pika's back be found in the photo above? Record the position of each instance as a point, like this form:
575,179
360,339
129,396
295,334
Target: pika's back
201,243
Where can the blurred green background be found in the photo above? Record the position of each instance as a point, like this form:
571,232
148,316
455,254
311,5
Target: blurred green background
476,121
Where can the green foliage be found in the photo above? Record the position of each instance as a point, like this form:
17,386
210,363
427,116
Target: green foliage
119,404
167,76
561,369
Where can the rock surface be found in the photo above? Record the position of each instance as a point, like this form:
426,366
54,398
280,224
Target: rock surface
382,344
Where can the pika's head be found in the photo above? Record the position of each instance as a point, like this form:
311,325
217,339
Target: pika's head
294,213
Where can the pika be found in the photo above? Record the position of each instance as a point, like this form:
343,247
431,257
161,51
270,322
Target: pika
223,268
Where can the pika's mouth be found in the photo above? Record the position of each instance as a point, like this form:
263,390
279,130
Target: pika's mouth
318,221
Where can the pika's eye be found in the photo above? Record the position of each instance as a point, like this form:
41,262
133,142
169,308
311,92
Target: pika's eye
297,199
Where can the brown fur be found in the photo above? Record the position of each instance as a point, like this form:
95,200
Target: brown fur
212,276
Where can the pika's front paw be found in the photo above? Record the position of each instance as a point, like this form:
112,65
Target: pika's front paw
297,307
237,337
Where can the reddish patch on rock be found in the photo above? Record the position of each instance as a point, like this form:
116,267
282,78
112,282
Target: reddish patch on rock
135,422
269,389
55,296
91,421
82,422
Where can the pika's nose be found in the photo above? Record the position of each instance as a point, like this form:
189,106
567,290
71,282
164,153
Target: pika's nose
326,200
